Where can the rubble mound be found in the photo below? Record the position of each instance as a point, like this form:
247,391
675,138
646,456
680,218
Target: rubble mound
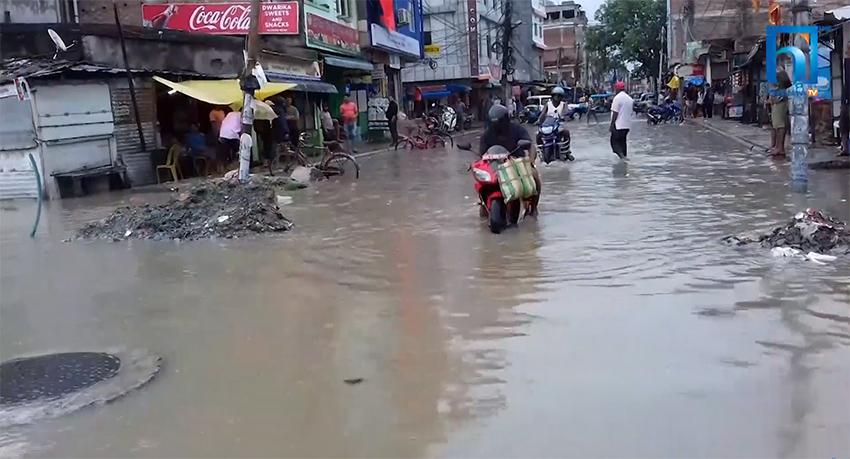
809,231
218,208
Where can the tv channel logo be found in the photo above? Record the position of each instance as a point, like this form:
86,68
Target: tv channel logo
798,57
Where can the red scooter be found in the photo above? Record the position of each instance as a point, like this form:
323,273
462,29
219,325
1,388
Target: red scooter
490,198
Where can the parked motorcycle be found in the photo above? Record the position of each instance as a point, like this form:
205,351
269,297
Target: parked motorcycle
664,113
549,144
576,110
529,115
501,214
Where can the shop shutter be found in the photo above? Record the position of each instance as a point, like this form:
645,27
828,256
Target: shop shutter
139,167
17,141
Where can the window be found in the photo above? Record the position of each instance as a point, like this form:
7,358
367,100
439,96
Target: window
489,46
426,36
343,8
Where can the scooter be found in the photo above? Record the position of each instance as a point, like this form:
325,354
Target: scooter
664,113
548,142
500,214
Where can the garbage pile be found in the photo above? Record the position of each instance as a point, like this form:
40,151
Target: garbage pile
217,208
811,231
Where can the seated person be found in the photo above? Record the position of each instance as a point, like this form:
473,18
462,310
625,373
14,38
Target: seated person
195,142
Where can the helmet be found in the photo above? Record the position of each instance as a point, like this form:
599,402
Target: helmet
559,91
499,117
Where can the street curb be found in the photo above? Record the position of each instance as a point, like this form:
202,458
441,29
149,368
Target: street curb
366,154
747,143
829,164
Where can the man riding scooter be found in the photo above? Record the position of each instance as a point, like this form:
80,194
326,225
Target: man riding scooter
557,108
506,133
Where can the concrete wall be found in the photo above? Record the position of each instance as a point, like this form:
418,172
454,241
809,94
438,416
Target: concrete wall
31,11
161,55
527,55
447,23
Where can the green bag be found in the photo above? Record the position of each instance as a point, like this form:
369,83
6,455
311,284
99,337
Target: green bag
516,179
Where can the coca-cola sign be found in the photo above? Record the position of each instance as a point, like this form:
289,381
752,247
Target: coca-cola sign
280,18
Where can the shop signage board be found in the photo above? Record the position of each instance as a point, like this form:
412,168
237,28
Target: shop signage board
280,18
393,41
433,50
293,69
472,30
332,36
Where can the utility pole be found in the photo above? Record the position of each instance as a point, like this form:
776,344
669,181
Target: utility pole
249,85
800,106
507,50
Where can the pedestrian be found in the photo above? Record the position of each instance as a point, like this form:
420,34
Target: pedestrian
228,137
392,118
328,126
293,120
708,101
591,110
280,128
348,110
700,102
621,120
216,117
511,108
461,114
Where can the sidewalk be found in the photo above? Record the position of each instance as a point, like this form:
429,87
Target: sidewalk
758,139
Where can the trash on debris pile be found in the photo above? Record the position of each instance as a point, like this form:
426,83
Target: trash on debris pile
808,234
210,209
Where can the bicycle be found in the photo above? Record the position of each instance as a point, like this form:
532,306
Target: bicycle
331,164
421,141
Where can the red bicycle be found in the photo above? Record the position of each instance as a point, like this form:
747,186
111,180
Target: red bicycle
421,141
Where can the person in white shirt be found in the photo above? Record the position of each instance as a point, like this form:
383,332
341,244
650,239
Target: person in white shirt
557,108
621,120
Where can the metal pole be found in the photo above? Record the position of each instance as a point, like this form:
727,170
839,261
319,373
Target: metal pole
800,107
245,140
129,78
845,96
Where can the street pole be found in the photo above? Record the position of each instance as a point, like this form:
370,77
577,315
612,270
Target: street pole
245,140
800,107
845,98
507,51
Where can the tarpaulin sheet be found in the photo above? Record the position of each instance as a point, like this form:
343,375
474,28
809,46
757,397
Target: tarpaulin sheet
221,92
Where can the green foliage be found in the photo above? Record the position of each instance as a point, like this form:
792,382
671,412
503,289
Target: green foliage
629,31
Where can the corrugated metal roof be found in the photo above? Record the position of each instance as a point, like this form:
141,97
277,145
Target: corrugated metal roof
40,68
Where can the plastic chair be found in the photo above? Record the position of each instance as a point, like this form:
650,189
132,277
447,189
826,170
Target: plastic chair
171,164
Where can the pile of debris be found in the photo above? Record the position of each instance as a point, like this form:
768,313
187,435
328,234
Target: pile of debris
811,231
216,208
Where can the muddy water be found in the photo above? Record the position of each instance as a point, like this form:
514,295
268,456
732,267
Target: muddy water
615,326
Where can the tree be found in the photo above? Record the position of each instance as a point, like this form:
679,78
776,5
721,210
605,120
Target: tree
633,31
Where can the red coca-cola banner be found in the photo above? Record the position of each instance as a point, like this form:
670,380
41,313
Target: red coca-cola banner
222,18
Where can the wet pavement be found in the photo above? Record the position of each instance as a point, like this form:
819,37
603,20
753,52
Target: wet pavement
617,325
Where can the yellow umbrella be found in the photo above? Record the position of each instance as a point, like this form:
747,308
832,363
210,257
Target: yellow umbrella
221,92
262,110
674,82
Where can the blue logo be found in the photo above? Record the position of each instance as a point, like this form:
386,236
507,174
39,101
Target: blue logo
797,55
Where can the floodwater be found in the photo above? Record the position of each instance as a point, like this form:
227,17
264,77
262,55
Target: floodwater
616,325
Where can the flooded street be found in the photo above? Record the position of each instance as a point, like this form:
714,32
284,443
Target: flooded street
616,325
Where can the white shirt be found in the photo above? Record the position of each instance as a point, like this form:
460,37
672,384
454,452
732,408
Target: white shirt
622,105
231,126
558,111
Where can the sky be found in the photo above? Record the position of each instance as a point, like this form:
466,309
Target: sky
590,6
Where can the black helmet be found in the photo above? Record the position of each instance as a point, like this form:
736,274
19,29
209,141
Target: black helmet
499,117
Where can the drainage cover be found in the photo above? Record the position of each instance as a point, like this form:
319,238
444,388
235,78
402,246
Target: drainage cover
51,376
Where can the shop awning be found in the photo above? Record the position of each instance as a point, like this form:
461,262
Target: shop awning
221,92
436,94
457,88
346,63
694,81
307,85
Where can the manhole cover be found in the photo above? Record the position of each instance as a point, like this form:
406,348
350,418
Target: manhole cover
54,375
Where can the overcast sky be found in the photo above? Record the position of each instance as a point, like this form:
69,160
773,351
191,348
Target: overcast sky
590,6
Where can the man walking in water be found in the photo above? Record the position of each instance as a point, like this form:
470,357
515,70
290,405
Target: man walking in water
621,120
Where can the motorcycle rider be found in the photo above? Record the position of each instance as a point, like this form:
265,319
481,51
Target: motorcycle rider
557,108
507,133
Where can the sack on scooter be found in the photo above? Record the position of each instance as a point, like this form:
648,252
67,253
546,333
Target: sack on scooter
516,179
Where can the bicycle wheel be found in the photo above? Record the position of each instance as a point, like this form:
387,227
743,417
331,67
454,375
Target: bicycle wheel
406,144
340,164
435,141
451,140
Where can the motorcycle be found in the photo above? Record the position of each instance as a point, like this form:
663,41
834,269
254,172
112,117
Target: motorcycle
664,113
549,144
500,214
576,110
529,115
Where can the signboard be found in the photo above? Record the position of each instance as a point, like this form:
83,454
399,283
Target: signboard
331,36
393,41
472,29
377,114
433,50
222,18
297,70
